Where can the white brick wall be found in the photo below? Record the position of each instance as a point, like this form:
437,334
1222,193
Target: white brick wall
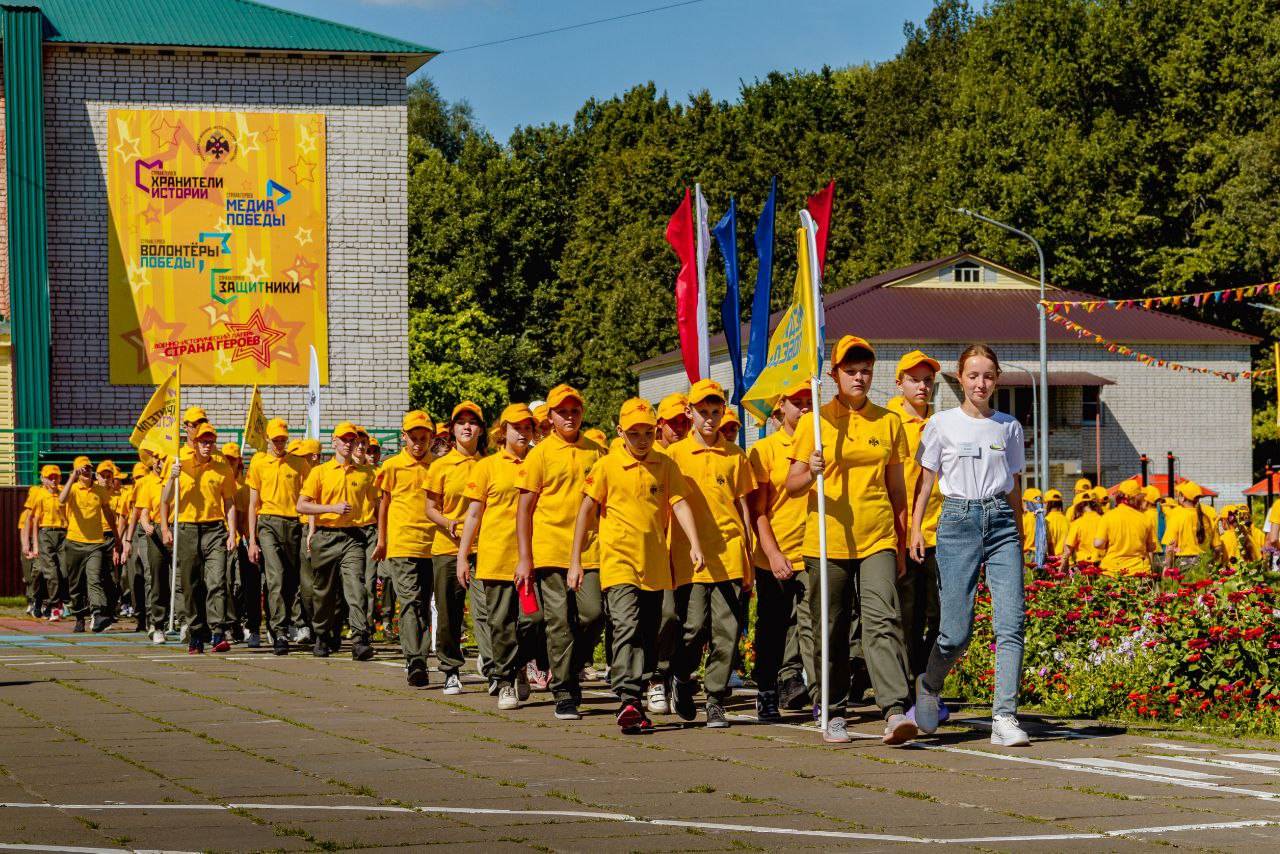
364,106
1205,421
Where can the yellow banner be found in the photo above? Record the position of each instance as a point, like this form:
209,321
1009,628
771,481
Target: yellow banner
159,421
793,347
218,246
255,424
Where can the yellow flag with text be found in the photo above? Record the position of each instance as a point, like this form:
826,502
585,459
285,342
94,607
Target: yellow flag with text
160,420
793,347
255,424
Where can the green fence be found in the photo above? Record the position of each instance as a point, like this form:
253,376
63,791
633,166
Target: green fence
23,452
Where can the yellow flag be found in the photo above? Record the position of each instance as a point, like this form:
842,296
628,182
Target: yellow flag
255,424
160,421
793,347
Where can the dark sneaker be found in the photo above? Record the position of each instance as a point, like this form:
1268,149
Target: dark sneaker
195,648
280,646
629,718
220,643
793,696
567,710
416,676
321,649
140,626
715,716
252,641
767,706
493,686
100,623
682,699
79,627
334,643
361,651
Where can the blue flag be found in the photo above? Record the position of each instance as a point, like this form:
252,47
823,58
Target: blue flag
726,232
758,342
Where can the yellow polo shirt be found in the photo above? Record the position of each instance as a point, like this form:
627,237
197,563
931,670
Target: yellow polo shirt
146,496
1232,546
334,483
1028,530
770,460
1056,525
203,489
447,480
1081,533
1128,541
409,533
635,498
858,447
555,470
715,477
278,481
495,481
48,510
913,427
1180,530
85,523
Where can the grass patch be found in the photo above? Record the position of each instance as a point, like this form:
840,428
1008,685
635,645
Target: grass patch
917,796
1115,796
700,789
747,799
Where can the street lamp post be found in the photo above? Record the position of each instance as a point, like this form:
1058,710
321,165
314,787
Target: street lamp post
1043,464
1039,482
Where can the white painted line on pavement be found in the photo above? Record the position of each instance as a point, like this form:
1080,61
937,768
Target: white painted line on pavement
1251,767
1164,746
1147,769
1264,757
76,849
630,819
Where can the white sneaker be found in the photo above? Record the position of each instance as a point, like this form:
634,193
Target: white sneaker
522,685
452,684
184,633
1006,732
507,699
655,699
55,615
304,635
157,636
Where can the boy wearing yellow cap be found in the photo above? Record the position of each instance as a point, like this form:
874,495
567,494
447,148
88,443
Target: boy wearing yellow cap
204,489
274,531
244,576
446,508
718,481
1086,516
863,448
784,632
1055,523
87,505
1190,530
46,534
1125,537
493,493
32,578
551,493
368,524
337,494
633,493
673,426
148,539
403,547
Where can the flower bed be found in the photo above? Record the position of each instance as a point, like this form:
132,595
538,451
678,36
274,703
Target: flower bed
1196,649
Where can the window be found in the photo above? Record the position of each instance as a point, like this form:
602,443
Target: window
1089,401
968,272
1017,402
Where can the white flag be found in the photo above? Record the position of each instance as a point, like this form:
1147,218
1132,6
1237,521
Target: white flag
703,231
313,398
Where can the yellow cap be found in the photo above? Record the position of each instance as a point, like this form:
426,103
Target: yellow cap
374,443
851,342
206,429
139,469
276,428
361,431
416,418
309,447
1052,495
672,406
1189,490
1129,489
704,390
596,435
293,447
637,412
345,428
515,413
50,470
561,393
914,358
1100,494
1083,484
231,449
79,462
1032,494
467,406
542,412
1150,493
194,414
108,467
442,429
150,451
730,418
796,388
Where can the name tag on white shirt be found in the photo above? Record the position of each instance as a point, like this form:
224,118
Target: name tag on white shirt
967,449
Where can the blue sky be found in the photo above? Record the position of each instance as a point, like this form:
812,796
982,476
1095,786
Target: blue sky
711,44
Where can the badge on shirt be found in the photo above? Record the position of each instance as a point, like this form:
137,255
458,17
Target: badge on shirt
968,449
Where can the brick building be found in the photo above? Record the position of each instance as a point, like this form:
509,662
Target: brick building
66,63
1105,410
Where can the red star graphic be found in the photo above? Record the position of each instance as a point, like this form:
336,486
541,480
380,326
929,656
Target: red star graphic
303,271
165,132
151,320
151,214
304,171
289,351
267,338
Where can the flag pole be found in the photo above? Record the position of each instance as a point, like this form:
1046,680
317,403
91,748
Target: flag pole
815,388
177,487
701,236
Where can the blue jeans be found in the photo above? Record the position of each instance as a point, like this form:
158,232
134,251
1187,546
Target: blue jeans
971,534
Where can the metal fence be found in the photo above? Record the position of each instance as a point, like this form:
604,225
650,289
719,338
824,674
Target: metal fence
23,452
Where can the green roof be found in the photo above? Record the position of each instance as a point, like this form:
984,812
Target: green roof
232,24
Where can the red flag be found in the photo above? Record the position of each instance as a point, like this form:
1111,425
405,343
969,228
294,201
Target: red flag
680,236
819,207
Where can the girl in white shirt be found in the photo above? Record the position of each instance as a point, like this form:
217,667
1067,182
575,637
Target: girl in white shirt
976,455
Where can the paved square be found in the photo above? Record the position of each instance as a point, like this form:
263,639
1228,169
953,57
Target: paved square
110,743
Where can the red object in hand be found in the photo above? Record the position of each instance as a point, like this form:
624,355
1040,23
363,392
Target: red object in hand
528,599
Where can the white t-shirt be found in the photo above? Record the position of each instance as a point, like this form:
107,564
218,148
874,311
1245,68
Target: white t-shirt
974,457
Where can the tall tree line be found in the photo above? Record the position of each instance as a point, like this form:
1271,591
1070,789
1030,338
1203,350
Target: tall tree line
1138,139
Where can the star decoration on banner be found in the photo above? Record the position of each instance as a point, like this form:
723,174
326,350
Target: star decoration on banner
165,132
127,148
303,272
303,236
151,215
137,338
248,139
268,135
138,278
289,350
217,313
306,142
304,171
223,362
254,267
267,338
